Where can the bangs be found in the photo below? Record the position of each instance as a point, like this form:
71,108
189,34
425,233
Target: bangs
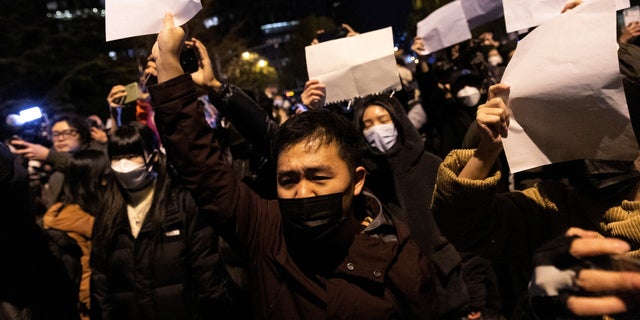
126,141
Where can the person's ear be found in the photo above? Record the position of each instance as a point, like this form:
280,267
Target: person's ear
359,177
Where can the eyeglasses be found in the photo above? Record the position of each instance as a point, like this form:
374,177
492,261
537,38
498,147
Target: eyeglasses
70,133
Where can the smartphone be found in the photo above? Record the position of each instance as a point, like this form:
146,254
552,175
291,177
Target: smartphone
16,146
189,60
332,34
132,94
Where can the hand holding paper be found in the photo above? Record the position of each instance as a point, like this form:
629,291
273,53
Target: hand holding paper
130,18
354,66
166,50
444,27
566,92
492,119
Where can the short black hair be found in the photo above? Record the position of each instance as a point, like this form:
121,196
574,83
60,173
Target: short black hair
77,122
326,126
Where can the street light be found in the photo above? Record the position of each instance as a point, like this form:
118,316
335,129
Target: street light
246,55
262,63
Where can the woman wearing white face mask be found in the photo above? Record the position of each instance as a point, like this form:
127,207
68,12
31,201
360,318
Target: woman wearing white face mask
494,66
460,114
402,174
153,256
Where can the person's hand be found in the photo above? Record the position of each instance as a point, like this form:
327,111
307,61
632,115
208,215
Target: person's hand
149,70
487,39
314,94
166,50
30,151
99,135
350,31
418,46
570,5
148,78
493,117
117,94
204,75
630,32
588,291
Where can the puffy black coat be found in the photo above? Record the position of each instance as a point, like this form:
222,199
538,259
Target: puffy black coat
158,275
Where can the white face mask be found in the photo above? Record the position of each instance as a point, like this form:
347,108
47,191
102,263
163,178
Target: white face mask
133,176
494,60
382,136
469,96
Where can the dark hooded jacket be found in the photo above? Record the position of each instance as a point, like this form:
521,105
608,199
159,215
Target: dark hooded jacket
404,178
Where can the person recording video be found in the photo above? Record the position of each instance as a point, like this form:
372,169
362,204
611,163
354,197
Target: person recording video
69,133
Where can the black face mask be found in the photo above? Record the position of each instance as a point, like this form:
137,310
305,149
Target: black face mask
312,220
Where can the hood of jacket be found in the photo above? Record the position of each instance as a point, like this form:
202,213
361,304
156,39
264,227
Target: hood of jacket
409,146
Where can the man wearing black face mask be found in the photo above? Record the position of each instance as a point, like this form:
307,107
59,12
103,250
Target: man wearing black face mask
326,248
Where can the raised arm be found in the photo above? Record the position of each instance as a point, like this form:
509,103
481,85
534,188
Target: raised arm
191,145
253,123
492,120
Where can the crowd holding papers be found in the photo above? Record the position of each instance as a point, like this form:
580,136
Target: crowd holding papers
354,66
130,18
443,28
566,92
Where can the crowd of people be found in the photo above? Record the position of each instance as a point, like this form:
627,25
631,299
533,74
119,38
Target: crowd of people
210,203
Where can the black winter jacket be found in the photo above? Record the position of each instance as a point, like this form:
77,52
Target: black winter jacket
158,275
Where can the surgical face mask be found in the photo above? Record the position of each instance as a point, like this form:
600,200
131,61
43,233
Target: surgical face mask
312,220
133,176
469,96
382,136
494,60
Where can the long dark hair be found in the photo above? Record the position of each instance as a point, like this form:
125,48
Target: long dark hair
134,140
87,177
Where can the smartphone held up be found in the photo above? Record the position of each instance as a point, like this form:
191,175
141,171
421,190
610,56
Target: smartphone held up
132,94
332,34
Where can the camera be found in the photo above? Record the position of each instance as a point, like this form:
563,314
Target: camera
189,60
30,125
332,34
